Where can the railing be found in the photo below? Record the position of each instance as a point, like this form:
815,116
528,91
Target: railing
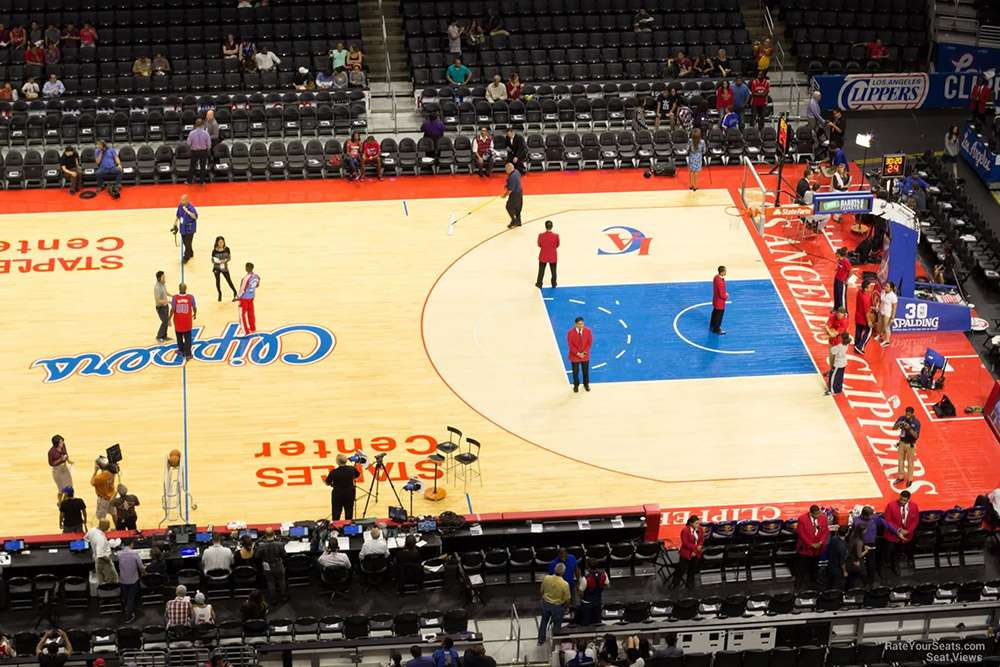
515,631
779,55
388,71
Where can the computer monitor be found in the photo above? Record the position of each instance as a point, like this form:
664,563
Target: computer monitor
76,546
252,532
13,546
298,531
189,552
203,538
352,529
427,526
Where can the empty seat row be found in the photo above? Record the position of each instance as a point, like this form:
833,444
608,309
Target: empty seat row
478,8
524,27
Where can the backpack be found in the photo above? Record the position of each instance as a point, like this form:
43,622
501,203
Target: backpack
449,522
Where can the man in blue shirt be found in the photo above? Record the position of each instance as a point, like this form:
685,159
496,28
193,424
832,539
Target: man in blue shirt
419,659
741,95
914,189
513,194
108,166
457,75
446,656
572,569
870,523
187,223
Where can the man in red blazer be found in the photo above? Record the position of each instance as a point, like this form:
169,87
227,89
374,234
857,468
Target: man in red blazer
579,340
719,297
548,241
904,513
692,547
814,533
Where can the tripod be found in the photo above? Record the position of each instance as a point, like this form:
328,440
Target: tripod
376,482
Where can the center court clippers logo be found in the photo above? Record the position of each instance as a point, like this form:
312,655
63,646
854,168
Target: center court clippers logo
626,240
313,343
883,91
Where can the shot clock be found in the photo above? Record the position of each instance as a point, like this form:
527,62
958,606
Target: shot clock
894,165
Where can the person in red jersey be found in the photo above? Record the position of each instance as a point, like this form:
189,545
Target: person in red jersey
248,290
184,311
371,153
719,297
580,339
548,242
760,88
840,277
864,316
352,157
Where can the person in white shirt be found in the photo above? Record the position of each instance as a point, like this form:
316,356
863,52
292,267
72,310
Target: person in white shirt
266,60
375,545
53,87
333,557
201,612
217,557
886,312
838,365
496,90
100,548
30,90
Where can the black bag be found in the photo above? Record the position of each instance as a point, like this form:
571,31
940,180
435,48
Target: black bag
944,407
449,522
662,168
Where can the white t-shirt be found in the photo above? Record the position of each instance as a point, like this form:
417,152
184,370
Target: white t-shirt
201,614
217,557
839,354
889,300
98,542
454,39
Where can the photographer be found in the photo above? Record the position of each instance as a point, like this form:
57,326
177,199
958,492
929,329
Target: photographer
909,430
48,647
187,224
341,482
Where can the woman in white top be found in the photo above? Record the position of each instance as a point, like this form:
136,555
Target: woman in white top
840,182
887,312
951,149
200,611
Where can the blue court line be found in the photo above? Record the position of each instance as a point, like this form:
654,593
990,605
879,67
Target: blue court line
468,500
184,409
406,212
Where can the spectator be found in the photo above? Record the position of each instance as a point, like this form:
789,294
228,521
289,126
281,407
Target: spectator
217,557
457,75
34,61
47,649
722,66
836,559
6,647
666,107
762,54
302,80
419,659
324,81
446,656
100,549
723,98
244,4
265,59
813,534
702,66
352,157
555,601
8,93
669,648
455,32
760,88
245,554
433,128
571,570
375,545
200,142
69,164
877,52
496,91
230,48
71,36
609,650
409,554
157,563
88,36
248,49
341,80
633,654
839,157
642,21
123,509
593,584
814,113
18,38
201,611
161,65
338,57
271,554
476,656
52,35
494,25
514,86
980,99
952,145
72,510
52,54
684,65
803,186
691,551
4,36
108,166
838,364
483,152
254,608
355,58
332,556
212,126
130,569
371,153
517,150
103,478
53,87
142,66
178,610
475,34
856,553
35,34
837,128
741,96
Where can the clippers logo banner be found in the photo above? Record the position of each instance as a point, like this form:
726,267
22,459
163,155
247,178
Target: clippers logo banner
873,92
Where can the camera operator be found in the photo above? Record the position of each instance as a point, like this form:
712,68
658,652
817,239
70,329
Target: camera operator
341,482
909,430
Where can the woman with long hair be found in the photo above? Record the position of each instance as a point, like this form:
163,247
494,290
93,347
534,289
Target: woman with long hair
951,149
220,265
352,157
723,98
886,312
856,552
696,150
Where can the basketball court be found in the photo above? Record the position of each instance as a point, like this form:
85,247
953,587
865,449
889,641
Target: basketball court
377,329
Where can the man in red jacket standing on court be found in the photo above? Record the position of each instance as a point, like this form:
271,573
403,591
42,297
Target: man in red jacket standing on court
814,532
548,241
579,340
904,513
719,297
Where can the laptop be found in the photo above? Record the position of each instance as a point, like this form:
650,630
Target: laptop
189,552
